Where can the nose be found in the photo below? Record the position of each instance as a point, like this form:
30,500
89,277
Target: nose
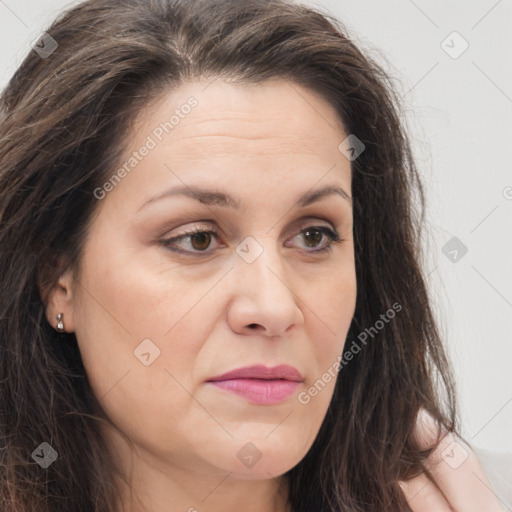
264,300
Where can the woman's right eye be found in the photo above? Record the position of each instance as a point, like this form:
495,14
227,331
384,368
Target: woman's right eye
198,240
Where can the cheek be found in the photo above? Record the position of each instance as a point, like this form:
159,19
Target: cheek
333,304
327,325
140,352
132,297
139,331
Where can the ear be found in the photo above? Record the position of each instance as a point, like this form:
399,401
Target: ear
60,299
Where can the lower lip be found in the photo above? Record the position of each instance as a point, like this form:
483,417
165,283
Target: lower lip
260,391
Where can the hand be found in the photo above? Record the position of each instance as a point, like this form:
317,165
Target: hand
460,482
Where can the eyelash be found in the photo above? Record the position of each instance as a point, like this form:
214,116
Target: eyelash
333,236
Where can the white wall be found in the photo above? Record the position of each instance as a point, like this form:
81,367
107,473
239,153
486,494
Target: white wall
460,112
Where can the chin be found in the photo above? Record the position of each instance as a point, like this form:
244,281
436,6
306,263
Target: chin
261,460
262,471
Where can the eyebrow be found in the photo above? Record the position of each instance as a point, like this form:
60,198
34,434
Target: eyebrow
211,197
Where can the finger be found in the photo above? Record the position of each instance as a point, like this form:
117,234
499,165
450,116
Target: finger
423,496
456,470
458,473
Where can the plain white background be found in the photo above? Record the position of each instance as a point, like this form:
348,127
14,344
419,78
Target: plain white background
460,114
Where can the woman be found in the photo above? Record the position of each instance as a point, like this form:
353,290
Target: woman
211,292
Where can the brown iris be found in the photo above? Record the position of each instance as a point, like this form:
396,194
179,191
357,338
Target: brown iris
317,237
203,241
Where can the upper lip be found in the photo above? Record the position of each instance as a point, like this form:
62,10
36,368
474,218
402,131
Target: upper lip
260,371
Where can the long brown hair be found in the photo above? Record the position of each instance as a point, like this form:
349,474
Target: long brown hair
63,123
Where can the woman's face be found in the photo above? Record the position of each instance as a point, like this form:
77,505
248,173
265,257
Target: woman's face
156,320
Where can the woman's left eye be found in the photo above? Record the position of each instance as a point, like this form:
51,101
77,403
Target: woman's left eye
315,234
198,240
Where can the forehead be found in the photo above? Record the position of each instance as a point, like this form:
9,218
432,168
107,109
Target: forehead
246,138
275,113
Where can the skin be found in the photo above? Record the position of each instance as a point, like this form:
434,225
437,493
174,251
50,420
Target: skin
175,437
265,145
459,482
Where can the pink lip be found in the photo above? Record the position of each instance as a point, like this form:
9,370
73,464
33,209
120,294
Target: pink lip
260,384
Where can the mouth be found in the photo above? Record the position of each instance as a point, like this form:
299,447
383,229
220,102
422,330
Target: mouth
262,372
260,384
259,391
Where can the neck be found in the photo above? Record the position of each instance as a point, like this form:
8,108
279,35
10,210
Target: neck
152,490
180,484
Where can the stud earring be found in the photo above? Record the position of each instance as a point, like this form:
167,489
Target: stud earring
60,323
